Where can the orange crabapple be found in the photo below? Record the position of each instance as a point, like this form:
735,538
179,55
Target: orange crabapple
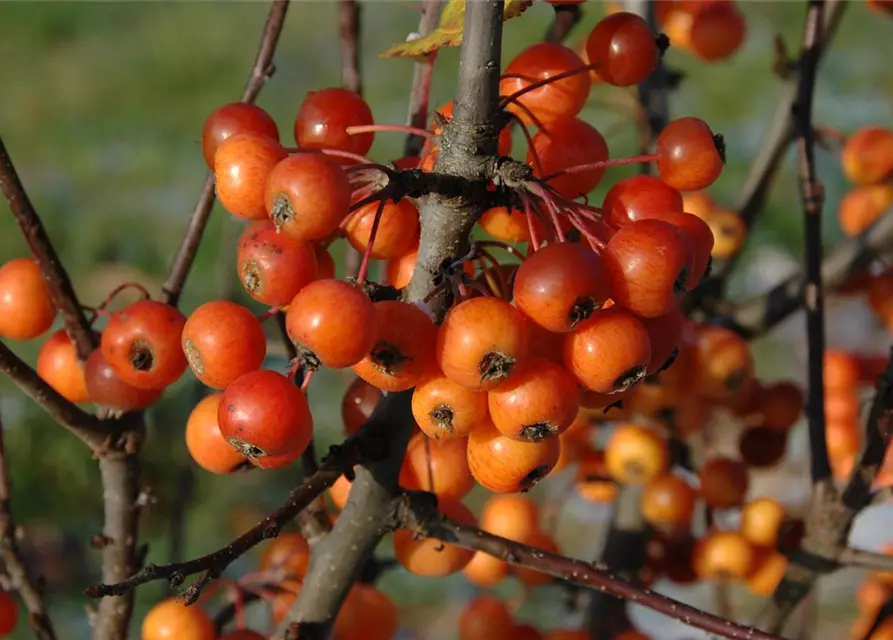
331,323
264,414
485,571
717,31
241,165
26,309
142,343
669,502
761,521
640,196
397,233
689,156
723,362
288,553
403,353
650,265
557,99
511,516
444,409
723,555
509,225
438,466
609,351
481,341
862,206
358,403
664,333
204,441
106,388
768,569
171,618
503,465
867,155
367,613
623,49
729,232
232,119
566,143
307,195
539,401
57,364
486,617
724,482
592,480
223,340
560,285
430,557
636,455
324,117
273,267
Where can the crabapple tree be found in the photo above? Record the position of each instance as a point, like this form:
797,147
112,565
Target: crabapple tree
500,330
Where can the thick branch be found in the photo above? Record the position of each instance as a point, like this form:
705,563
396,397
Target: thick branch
121,505
866,559
261,70
19,576
469,149
422,72
61,291
85,426
364,445
418,512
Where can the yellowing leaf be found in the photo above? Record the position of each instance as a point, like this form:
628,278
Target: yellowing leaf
449,30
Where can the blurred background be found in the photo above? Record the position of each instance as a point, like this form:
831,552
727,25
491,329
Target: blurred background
102,106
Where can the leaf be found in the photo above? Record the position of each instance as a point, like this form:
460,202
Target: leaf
449,30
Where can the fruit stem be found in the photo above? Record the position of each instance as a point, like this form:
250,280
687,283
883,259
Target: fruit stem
552,208
537,163
614,162
531,228
305,385
367,254
269,313
398,128
540,83
144,294
337,153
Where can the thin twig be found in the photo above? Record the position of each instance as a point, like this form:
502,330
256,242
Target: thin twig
418,512
261,70
349,30
19,576
751,201
867,559
212,565
422,73
566,18
757,315
812,198
92,431
61,291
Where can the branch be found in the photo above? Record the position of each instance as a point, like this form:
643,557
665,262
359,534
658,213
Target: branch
767,163
812,198
61,291
468,153
566,18
866,559
364,445
831,514
261,70
18,573
418,512
88,428
654,91
758,315
349,29
422,73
